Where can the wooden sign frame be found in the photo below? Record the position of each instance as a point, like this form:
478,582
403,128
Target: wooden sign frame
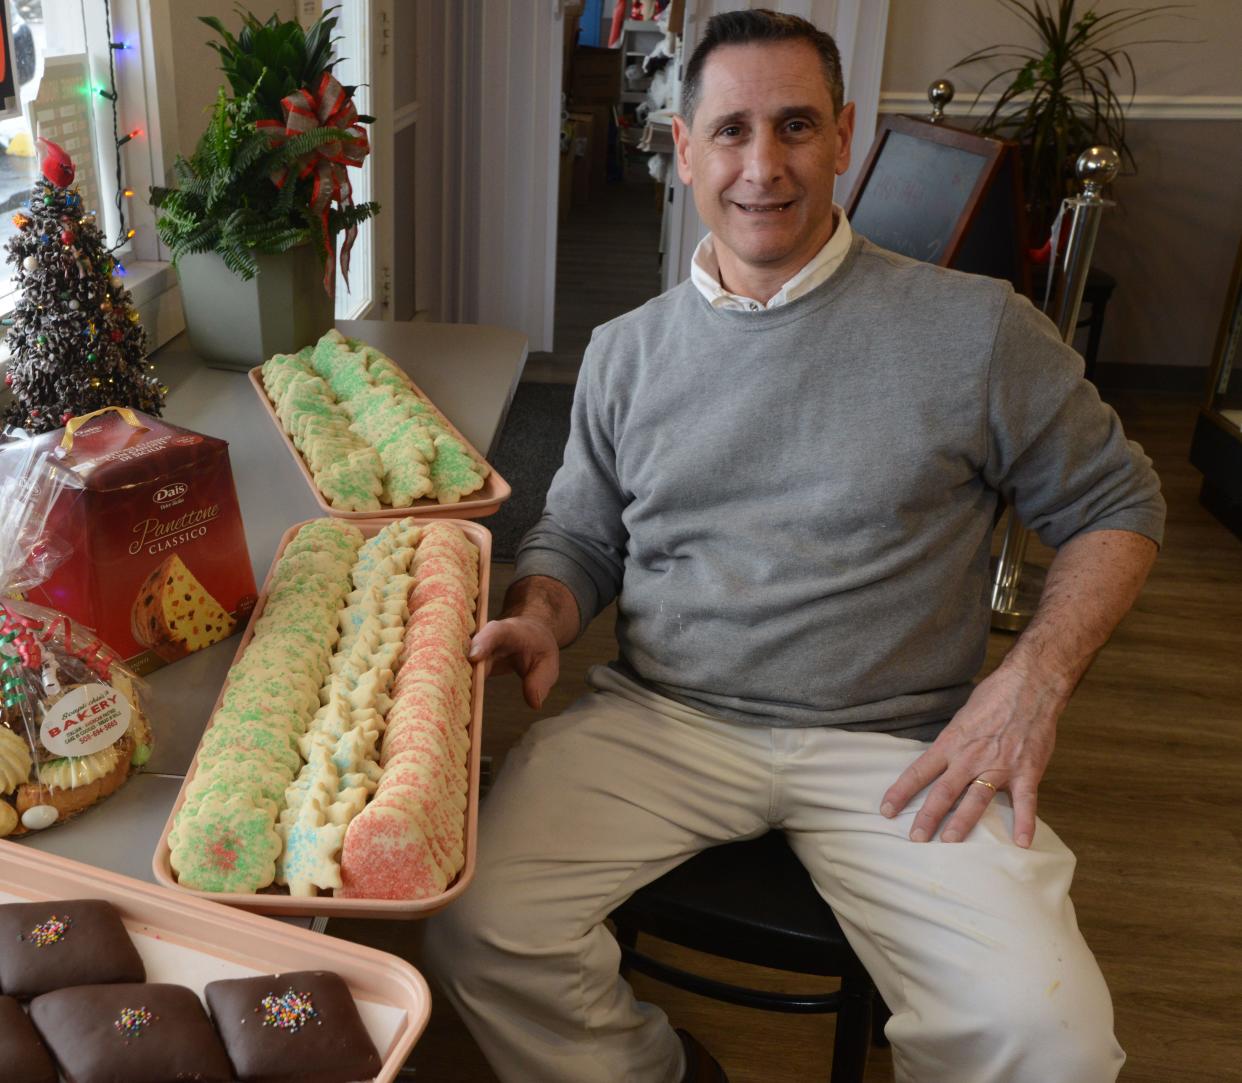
997,155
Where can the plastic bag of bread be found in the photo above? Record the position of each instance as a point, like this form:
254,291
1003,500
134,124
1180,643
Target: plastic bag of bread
72,725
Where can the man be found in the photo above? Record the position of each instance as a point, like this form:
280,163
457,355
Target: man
786,471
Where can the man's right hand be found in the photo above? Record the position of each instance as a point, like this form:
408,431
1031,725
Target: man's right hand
540,616
521,645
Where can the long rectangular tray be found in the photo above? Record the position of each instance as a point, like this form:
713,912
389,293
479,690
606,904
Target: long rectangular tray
478,504
223,935
276,900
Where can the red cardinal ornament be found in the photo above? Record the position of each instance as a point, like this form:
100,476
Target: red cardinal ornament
56,165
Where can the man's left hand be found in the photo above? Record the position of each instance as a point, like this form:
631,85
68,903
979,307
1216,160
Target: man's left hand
1004,735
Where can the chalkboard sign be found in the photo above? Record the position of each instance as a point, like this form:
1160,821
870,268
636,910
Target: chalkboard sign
943,196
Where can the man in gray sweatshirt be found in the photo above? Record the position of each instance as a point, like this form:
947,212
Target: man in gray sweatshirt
785,472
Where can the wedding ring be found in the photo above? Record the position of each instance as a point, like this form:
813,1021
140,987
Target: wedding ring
983,782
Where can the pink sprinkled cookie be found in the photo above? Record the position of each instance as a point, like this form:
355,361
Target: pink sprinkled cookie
451,538
443,563
446,699
435,775
429,738
442,588
386,855
443,837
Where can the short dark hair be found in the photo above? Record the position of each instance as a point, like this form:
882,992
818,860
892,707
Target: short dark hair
760,26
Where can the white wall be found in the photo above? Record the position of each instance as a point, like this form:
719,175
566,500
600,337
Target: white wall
926,37
195,66
1172,239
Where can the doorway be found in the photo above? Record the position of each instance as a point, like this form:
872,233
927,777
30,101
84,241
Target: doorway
611,193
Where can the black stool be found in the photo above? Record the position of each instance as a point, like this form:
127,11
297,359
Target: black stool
753,902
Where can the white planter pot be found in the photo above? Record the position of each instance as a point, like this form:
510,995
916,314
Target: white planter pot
237,324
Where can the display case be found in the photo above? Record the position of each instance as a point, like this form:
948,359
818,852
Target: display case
1217,446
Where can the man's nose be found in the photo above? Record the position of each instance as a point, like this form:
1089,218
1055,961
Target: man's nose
765,158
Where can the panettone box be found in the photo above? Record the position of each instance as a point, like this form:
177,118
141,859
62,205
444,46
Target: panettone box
158,563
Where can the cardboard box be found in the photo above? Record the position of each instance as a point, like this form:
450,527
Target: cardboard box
596,75
158,562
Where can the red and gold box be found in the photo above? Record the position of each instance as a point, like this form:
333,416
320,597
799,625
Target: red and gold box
157,563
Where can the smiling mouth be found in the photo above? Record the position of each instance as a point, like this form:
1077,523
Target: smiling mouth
763,208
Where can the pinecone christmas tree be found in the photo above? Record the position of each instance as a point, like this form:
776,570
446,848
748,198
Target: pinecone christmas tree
76,342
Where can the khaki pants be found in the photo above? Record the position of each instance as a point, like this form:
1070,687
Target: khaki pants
973,946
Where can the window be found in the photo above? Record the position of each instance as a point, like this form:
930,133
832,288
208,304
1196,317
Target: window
354,69
62,53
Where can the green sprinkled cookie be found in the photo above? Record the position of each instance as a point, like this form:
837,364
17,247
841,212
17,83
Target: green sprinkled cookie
255,686
243,773
225,845
223,757
214,788
354,484
273,744
454,473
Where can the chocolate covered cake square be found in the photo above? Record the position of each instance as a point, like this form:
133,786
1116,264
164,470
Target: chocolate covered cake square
130,1033
63,942
301,1027
22,1055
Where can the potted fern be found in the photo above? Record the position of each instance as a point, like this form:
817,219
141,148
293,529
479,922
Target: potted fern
262,205
1062,92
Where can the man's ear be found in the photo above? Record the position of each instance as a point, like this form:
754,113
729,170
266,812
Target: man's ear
845,136
681,136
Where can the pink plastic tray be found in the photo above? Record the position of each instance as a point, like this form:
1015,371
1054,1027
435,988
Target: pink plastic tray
276,900
487,500
222,934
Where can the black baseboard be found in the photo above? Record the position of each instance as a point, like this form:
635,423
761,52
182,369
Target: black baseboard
1130,377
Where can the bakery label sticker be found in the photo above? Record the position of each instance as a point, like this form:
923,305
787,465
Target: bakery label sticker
86,720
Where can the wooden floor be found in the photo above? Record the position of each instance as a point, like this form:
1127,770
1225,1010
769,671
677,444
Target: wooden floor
607,262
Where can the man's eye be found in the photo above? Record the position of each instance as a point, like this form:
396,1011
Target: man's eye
730,131
797,127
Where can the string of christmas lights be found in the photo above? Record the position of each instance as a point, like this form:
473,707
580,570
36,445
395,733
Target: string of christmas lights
113,96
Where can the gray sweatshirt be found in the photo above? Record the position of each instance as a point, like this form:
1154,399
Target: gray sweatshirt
793,507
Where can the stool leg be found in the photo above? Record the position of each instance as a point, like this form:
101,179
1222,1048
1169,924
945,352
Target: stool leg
880,1015
849,1048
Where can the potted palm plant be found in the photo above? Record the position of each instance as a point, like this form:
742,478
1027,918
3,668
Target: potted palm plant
1063,92
254,221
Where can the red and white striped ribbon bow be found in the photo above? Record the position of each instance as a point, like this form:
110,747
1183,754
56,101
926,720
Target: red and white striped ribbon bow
329,107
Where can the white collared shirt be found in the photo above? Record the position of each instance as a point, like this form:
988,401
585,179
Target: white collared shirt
705,271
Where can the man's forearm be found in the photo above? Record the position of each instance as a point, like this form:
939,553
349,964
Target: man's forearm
1092,583
547,600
